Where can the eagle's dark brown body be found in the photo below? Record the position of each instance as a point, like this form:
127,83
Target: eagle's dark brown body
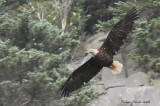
103,58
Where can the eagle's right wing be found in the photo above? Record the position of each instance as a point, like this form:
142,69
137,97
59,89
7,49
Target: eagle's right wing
119,32
81,75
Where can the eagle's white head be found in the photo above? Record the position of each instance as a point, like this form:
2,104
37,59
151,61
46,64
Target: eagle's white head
93,51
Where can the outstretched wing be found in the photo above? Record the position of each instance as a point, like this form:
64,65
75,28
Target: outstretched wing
80,76
119,32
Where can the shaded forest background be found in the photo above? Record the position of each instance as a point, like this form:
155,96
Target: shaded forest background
38,38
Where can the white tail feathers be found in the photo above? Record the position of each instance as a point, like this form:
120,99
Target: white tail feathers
116,67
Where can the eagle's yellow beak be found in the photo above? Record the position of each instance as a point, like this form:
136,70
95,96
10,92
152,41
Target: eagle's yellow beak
93,51
90,51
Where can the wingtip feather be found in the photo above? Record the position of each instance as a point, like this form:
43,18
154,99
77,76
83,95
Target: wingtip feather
133,14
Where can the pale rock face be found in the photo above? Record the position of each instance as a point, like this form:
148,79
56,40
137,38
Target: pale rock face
137,96
135,87
131,91
129,96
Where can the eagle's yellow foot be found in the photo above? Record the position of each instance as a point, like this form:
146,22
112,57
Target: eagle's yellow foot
112,66
116,67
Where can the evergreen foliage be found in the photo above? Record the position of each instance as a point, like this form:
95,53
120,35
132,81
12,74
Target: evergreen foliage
82,96
33,55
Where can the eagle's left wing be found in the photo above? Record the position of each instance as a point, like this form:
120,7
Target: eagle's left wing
81,75
119,32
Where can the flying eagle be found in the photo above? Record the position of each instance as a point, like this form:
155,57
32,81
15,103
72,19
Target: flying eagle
103,57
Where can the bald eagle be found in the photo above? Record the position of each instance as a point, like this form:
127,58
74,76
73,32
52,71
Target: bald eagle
103,57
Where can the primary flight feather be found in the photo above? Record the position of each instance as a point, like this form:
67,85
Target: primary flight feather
103,57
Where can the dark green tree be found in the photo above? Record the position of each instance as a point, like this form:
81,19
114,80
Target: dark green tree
34,52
